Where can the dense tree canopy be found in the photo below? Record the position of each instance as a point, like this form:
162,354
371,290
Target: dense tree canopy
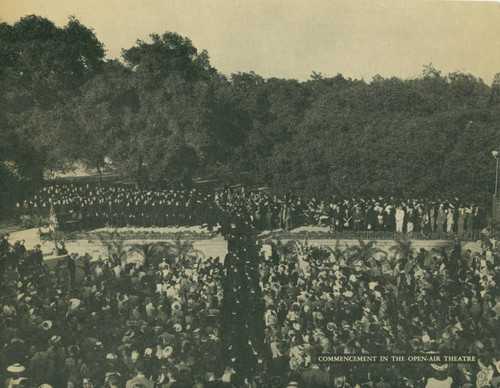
42,66
165,114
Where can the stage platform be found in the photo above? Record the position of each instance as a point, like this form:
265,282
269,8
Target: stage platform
209,246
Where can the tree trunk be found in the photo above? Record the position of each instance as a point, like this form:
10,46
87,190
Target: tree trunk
37,178
99,176
141,178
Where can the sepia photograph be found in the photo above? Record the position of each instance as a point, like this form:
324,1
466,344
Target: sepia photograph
249,194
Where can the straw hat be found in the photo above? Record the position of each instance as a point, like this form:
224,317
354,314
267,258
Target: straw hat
178,327
167,351
55,339
16,368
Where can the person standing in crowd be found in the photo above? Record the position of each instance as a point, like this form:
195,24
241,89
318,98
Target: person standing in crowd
370,218
357,218
410,220
389,218
432,216
284,216
450,221
139,380
478,223
70,262
346,218
461,222
4,243
400,217
269,216
440,219
469,222
425,225
15,376
333,216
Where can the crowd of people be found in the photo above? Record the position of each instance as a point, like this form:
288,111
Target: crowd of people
435,302
120,206
120,325
249,321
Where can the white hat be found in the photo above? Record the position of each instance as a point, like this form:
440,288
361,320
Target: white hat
55,339
16,368
439,368
167,351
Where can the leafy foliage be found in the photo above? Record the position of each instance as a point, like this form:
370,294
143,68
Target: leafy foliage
183,250
34,221
117,253
166,115
365,253
44,66
153,252
403,248
86,264
283,250
338,253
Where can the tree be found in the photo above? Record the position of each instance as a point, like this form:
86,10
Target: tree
168,116
365,252
183,250
337,252
402,249
96,114
166,136
117,254
167,54
45,66
153,252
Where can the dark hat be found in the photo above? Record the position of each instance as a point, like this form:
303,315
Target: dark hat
73,350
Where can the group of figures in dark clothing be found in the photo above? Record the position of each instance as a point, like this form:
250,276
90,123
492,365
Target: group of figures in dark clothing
251,321
120,206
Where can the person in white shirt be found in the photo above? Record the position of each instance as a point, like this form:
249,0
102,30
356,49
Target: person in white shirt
449,221
435,383
440,378
400,216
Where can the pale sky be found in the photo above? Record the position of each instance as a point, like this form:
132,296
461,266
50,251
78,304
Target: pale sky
291,38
